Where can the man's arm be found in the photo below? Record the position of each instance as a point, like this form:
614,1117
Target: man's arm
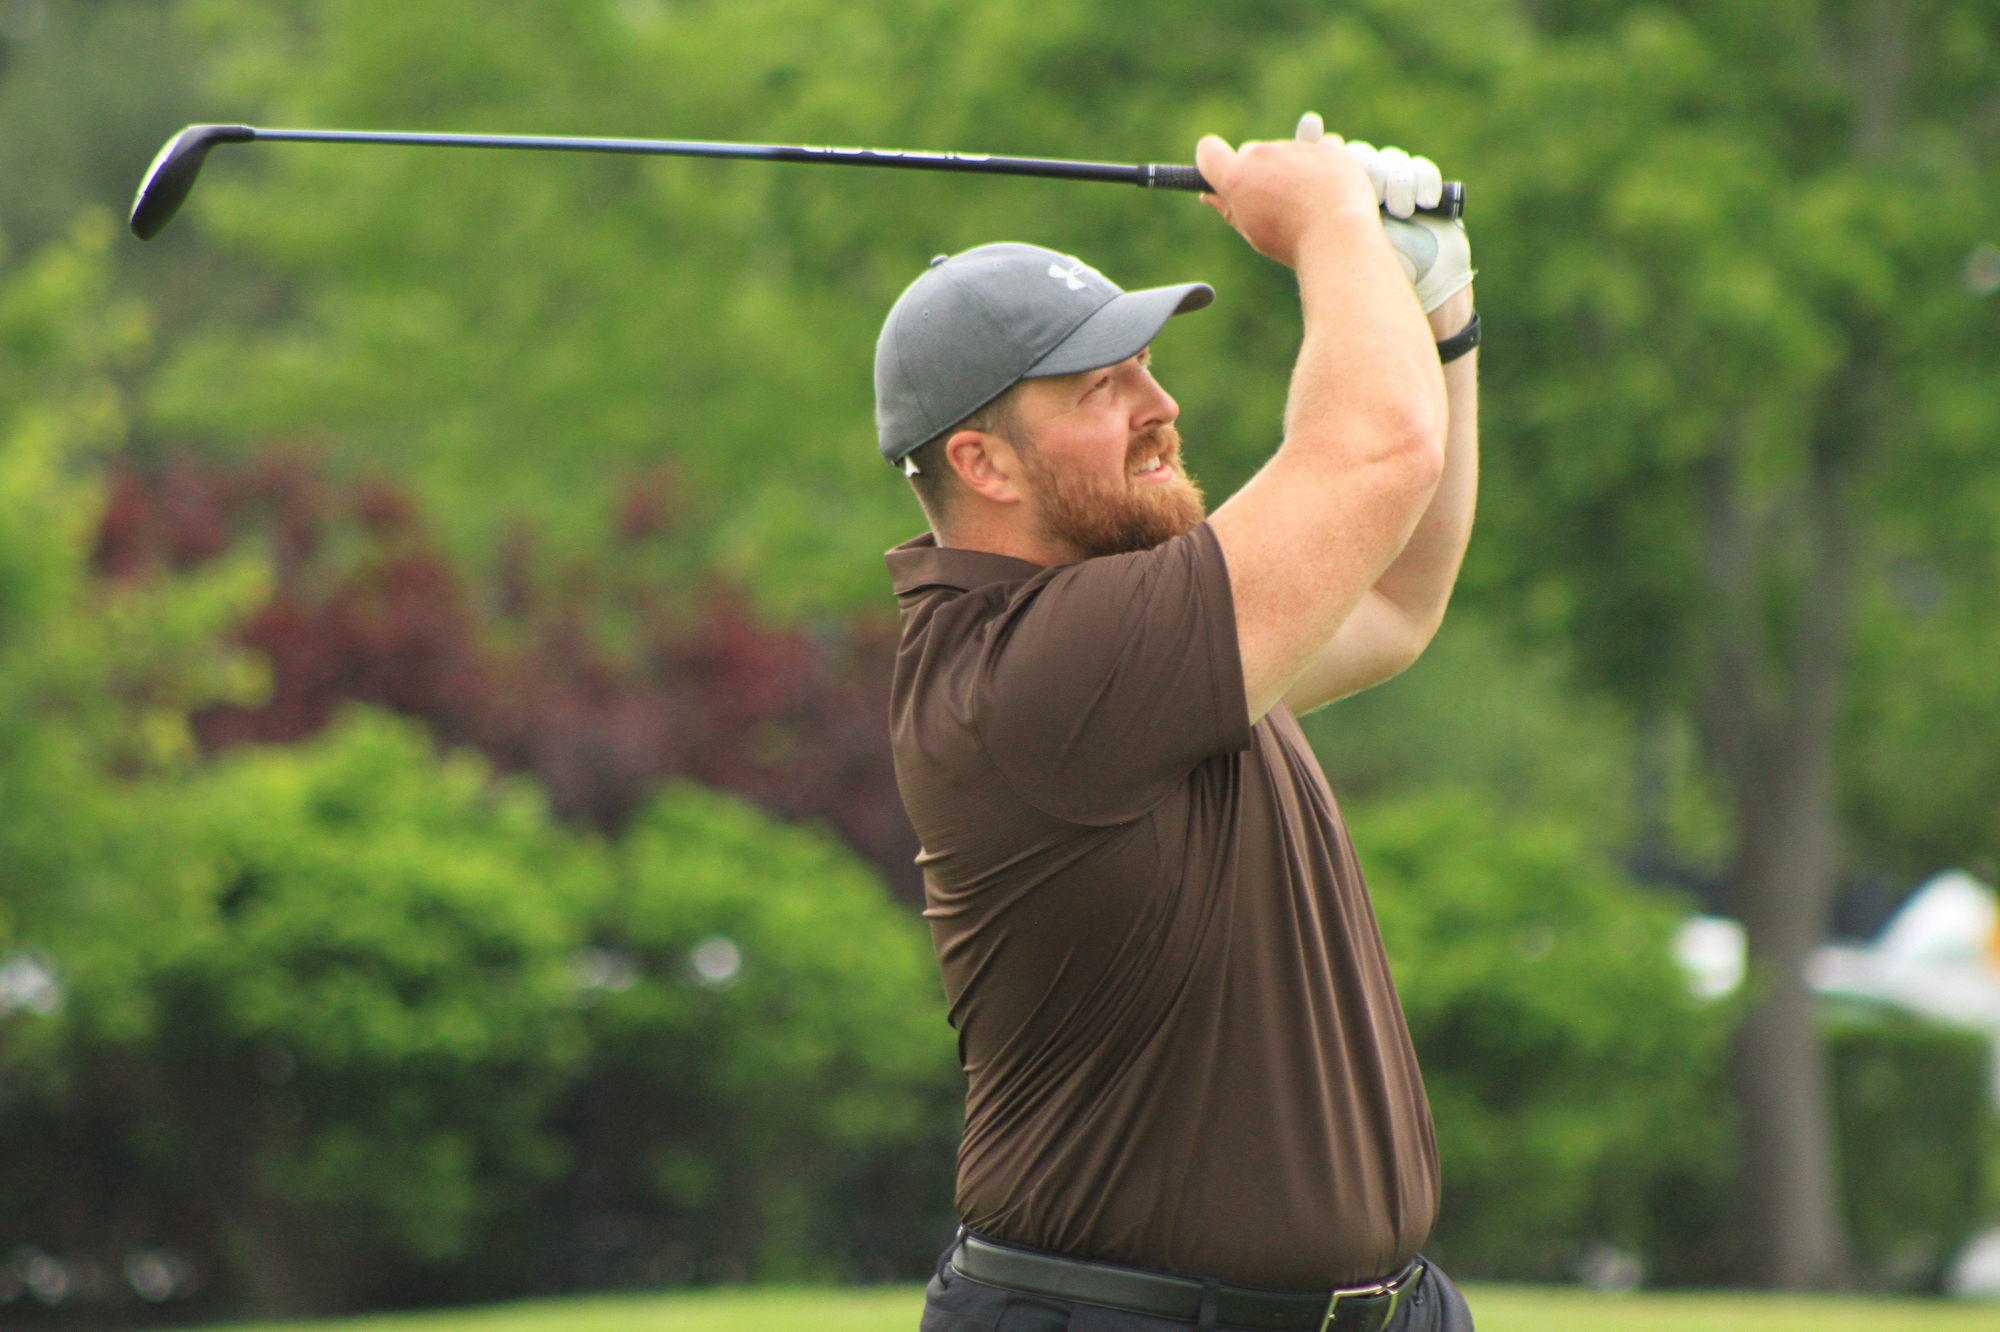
1396,619
1319,525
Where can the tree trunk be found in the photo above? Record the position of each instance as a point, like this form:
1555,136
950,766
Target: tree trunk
1770,723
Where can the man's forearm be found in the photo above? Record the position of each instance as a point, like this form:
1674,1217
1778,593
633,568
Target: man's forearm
1419,581
1392,624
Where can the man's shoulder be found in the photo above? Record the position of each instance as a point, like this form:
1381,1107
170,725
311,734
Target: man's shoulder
1092,688
1071,619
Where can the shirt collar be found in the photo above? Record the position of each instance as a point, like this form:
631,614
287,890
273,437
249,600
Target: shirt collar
921,563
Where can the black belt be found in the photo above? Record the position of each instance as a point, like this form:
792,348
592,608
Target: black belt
1137,1290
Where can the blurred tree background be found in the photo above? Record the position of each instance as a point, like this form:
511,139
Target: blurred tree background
448,847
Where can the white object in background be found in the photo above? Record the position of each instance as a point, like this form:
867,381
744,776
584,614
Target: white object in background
27,982
1975,1275
1938,956
1935,957
716,962
1610,1270
1710,950
1951,919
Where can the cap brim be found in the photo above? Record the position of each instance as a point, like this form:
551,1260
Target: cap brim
1120,328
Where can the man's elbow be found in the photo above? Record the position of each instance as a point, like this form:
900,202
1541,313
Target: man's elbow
1413,440
1412,629
1415,640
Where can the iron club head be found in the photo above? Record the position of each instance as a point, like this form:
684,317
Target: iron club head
172,174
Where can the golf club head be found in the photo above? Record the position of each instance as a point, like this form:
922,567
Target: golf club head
172,174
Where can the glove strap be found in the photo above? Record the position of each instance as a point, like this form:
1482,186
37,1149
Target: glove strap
1459,343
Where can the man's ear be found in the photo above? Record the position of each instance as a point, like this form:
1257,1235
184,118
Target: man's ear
986,464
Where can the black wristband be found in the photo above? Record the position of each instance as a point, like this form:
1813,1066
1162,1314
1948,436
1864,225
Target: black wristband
1459,343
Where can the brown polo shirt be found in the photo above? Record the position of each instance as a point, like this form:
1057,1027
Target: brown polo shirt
1183,1044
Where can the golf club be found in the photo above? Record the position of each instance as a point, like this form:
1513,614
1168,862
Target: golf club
173,172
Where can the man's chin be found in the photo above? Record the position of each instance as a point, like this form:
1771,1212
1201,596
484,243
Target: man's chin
1148,519
1178,508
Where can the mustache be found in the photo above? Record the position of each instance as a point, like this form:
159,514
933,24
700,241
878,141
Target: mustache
1161,440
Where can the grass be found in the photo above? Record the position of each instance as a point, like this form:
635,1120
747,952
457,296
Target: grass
895,1309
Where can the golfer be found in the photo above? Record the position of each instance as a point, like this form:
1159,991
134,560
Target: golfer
1192,1096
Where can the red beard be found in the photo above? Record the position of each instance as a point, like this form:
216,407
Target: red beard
1092,518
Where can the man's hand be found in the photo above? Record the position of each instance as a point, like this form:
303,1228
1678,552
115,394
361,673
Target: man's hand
1436,255
1282,194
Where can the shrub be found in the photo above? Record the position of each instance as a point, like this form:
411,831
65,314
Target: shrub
1573,1081
770,1059
352,1023
1912,1103
603,682
331,1034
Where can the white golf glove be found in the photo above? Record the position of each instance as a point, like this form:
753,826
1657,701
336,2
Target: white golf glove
1436,254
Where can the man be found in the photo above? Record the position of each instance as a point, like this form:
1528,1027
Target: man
1192,1097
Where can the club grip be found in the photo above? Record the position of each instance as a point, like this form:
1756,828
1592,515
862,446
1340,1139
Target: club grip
1170,176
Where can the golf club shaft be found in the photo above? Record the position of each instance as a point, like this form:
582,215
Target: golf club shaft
1153,175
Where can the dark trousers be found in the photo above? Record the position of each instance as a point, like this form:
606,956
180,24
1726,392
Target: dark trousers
956,1303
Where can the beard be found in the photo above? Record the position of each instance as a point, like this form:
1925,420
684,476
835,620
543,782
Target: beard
1094,517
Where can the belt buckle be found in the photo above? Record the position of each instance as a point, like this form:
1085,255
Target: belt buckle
1389,1288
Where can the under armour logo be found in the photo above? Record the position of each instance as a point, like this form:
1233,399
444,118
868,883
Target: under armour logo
1069,277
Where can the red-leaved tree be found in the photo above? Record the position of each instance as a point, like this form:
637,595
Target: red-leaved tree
366,607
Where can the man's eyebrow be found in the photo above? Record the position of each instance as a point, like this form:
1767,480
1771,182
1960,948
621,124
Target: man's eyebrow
1144,356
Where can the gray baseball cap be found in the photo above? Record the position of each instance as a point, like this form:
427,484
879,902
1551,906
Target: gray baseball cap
977,323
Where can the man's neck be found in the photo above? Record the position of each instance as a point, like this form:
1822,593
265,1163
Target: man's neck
1003,539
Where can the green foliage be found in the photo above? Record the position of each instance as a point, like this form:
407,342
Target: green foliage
88,90
1683,198
520,334
339,1009
828,966
1752,226
1740,263
63,336
1923,791
342,983
1479,713
1573,1081
817,1032
1680,198
94,680
1914,1108
321,1006
399,929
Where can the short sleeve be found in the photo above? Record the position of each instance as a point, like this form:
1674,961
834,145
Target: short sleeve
1103,684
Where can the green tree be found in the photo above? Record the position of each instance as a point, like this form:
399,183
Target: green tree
1751,225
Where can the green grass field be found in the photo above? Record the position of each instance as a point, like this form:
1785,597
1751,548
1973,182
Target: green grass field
1498,1309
